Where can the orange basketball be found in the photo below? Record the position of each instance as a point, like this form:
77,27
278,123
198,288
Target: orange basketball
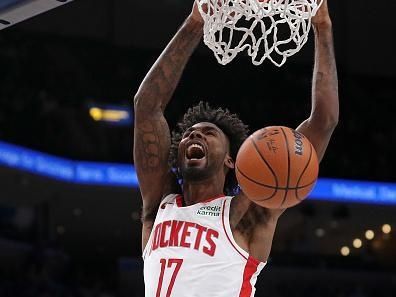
277,167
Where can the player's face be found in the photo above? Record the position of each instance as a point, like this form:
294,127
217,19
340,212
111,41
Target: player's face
202,151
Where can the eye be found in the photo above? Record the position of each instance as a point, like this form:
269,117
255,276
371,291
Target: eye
186,134
211,132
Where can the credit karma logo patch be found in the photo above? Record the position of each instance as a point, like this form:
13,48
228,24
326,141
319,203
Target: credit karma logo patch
210,211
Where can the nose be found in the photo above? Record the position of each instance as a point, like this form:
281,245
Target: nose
196,134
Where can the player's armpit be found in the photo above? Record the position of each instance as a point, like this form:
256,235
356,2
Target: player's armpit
260,243
246,215
150,206
254,225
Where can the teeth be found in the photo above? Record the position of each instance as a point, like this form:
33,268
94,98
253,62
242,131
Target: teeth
196,145
195,151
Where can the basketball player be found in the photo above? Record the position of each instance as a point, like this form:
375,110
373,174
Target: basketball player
196,240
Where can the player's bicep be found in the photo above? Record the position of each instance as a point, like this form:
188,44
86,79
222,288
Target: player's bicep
317,135
151,152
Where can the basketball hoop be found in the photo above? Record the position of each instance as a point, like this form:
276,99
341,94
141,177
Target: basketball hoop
273,29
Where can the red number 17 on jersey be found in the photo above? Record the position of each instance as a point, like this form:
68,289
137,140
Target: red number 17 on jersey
168,263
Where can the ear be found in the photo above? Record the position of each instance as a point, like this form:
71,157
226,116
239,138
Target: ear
229,162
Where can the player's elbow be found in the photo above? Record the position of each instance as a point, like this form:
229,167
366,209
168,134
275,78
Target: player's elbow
331,122
333,119
326,117
327,122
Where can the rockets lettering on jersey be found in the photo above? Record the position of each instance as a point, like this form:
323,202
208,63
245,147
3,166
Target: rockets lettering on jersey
193,245
184,234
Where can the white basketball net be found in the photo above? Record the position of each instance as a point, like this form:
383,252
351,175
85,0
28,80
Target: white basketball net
273,29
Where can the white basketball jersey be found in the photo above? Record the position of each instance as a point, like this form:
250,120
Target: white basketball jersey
191,253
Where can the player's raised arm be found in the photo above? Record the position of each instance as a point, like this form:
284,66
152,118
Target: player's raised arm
325,107
151,131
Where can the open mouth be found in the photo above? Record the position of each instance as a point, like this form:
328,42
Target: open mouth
195,151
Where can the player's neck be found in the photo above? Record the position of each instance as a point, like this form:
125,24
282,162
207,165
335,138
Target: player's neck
195,192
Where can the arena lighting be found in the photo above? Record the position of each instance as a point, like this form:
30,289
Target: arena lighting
124,175
117,115
345,251
386,228
320,232
357,243
369,234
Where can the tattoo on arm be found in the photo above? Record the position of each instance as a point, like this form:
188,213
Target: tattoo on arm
152,136
150,146
151,151
161,81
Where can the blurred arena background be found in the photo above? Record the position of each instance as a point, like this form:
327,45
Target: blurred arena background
67,81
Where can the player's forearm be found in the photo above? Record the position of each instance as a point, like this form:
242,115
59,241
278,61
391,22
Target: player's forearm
160,83
325,106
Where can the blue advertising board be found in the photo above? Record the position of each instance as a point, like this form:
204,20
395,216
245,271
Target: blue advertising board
124,175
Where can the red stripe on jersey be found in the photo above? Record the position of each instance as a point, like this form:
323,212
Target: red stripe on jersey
179,201
225,231
250,270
